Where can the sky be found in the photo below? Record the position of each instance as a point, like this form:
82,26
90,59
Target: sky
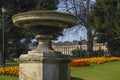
74,33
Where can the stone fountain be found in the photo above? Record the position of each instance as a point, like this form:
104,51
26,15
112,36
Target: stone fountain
44,63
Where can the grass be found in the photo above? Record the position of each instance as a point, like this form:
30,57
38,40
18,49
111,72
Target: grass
6,77
106,71
10,63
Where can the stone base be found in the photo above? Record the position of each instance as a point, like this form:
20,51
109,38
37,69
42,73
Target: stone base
44,66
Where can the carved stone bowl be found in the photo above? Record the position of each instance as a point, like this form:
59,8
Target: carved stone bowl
44,22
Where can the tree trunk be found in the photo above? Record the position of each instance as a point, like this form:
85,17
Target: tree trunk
89,30
1,59
89,43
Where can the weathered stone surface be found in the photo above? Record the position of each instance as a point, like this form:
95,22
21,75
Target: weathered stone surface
44,66
30,71
44,18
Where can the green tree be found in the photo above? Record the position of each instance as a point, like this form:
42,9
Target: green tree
107,22
15,34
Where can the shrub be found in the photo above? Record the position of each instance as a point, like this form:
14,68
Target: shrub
98,53
114,47
77,53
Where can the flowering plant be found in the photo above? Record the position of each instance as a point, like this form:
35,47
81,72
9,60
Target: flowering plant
79,63
14,71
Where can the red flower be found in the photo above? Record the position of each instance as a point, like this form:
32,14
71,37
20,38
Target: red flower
79,63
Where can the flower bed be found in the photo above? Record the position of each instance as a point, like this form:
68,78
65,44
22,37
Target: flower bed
96,60
14,71
99,60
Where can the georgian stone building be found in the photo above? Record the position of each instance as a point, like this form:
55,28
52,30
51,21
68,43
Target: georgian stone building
67,47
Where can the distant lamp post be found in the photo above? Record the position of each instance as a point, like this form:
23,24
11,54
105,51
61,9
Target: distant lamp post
80,49
80,43
3,47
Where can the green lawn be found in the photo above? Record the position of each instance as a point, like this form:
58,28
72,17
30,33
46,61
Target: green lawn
106,71
10,63
5,77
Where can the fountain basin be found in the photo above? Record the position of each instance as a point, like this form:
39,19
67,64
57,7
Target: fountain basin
44,18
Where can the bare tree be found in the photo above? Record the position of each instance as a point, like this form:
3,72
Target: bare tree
82,9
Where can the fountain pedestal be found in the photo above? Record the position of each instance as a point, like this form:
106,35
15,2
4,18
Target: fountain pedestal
44,66
43,63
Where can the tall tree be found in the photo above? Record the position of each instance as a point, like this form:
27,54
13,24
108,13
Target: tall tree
82,9
107,22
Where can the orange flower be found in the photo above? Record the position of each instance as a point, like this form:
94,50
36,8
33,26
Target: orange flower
96,60
10,71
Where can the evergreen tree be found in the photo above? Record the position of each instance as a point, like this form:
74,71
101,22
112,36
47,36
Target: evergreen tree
107,22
